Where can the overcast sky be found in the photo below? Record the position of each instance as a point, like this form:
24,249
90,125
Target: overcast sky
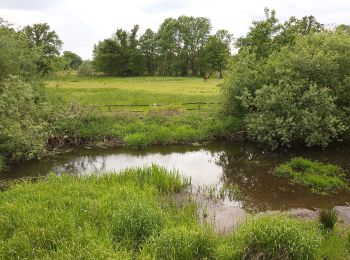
82,23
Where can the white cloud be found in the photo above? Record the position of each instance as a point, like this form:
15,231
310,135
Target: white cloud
82,23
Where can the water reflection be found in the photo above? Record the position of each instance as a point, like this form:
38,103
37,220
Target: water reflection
242,164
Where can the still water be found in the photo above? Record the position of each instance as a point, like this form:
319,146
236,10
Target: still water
243,164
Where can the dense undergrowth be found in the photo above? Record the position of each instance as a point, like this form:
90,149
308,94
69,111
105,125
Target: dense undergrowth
137,214
321,178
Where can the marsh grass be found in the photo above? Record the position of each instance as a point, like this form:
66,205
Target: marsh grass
138,214
328,218
98,217
181,243
273,237
321,178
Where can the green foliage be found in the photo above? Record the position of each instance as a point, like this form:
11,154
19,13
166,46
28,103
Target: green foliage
119,55
149,48
285,114
16,57
22,127
328,218
46,43
297,93
181,46
321,178
72,60
181,243
86,68
273,237
215,55
269,35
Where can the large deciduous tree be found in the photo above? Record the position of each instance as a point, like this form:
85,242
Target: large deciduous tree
150,51
119,55
47,44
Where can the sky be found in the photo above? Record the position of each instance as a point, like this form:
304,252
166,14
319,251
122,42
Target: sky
82,23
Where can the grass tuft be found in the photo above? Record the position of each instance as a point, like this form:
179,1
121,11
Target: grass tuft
273,237
328,218
181,243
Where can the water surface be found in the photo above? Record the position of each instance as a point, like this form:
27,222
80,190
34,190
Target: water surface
243,164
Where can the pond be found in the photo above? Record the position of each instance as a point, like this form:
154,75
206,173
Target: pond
243,164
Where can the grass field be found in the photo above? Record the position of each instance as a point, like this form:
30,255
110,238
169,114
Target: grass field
171,123
135,91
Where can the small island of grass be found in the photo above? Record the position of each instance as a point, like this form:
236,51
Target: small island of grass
321,178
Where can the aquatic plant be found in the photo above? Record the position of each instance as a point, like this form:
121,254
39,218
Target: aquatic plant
328,218
321,178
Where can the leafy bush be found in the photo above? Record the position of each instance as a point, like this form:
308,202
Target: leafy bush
273,237
285,114
321,178
328,218
181,243
22,128
297,94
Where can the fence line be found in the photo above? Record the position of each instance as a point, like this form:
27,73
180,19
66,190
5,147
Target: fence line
198,107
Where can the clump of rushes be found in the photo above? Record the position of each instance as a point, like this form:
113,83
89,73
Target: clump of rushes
157,176
328,218
181,243
321,178
273,237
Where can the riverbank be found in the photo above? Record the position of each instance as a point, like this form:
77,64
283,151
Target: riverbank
137,214
139,130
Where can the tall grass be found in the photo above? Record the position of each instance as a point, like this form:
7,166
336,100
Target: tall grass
273,237
137,214
181,243
100,217
328,218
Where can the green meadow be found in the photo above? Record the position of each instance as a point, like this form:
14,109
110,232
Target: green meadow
170,123
134,90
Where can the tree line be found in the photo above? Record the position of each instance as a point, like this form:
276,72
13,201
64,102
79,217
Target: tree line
181,47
